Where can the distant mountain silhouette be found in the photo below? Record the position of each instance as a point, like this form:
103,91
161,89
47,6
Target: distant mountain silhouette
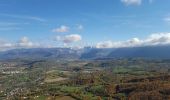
41,53
162,52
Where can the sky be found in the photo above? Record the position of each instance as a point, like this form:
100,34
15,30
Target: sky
79,23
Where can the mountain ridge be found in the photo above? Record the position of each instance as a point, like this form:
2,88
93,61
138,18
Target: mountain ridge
88,53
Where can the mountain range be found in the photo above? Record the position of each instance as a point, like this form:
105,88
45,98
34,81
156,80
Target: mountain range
162,52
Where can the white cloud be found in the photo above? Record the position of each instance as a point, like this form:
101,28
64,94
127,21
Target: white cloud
61,29
25,42
158,39
72,38
66,39
131,2
109,44
133,42
151,40
4,45
105,44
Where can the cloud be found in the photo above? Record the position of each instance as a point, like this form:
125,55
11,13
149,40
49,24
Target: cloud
4,45
151,40
158,39
131,2
133,42
118,44
71,38
135,2
105,44
24,42
61,29
35,18
66,39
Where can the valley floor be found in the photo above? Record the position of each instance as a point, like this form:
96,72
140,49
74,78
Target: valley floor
117,79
